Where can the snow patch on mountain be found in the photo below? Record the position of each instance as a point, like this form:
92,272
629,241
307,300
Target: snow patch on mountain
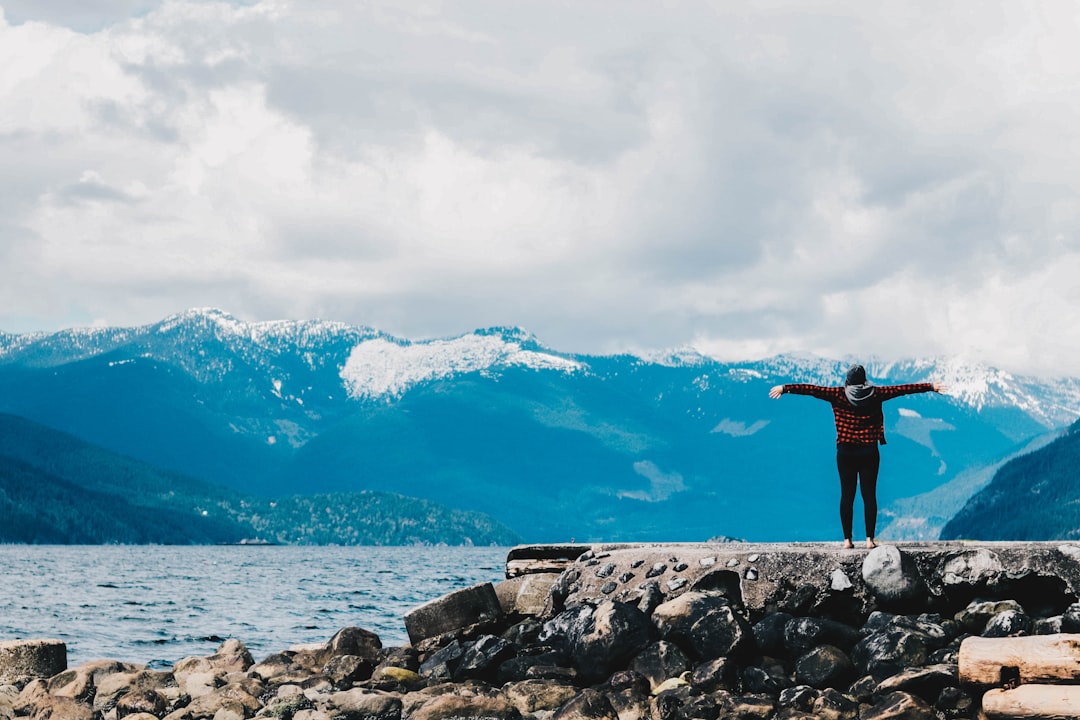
380,368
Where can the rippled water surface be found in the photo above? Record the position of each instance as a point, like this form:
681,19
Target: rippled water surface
156,605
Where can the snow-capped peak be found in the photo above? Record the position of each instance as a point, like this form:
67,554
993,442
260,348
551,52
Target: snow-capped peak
383,368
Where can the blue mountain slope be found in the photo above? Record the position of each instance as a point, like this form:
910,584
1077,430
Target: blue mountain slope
557,446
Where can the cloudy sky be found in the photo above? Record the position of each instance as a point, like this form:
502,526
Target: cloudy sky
896,178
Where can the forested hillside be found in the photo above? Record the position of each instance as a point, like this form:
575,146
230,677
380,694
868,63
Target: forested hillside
55,488
1033,497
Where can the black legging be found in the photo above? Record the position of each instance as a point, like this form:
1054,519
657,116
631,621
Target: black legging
858,466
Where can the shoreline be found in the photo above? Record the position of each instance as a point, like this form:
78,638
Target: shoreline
664,631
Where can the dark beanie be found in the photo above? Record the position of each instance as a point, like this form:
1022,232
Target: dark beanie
856,375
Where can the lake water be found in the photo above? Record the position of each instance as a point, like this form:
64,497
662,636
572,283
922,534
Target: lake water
158,604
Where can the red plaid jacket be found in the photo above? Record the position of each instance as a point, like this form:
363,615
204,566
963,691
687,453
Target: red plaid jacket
862,425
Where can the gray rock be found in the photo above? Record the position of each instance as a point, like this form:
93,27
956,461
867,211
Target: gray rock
799,697
925,682
140,701
443,663
753,706
1008,623
954,702
886,653
893,578
823,667
476,606
704,624
358,704
717,674
660,661
831,704
457,707
802,634
1070,619
345,670
769,633
588,705
974,617
971,569
231,656
483,657
609,637
531,696
769,679
899,706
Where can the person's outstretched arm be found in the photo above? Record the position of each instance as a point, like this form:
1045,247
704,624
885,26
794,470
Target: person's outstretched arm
889,392
819,391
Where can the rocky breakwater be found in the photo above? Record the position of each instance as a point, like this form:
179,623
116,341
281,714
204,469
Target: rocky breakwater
623,632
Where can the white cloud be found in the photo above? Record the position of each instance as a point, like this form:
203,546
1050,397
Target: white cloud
839,177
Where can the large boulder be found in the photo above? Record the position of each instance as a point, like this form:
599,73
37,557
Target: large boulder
608,638
899,705
472,607
802,634
704,624
532,696
893,578
886,653
824,667
358,704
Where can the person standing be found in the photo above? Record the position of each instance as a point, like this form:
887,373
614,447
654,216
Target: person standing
860,428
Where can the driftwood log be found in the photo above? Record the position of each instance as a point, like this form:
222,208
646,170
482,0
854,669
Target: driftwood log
1033,702
1021,660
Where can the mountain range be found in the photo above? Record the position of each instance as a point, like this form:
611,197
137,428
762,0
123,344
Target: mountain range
554,446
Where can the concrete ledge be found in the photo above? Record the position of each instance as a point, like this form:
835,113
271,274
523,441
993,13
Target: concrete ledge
22,660
815,577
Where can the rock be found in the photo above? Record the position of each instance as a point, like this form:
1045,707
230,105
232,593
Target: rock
231,656
442,664
201,684
804,633
800,697
660,661
525,594
746,707
62,708
899,706
1070,619
970,570
402,676
456,707
769,633
826,666
140,701
1048,626
954,702
208,705
347,669
612,634
24,660
716,674
483,657
928,627
472,606
522,667
588,705
1008,623
273,666
229,711
974,617
33,695
704,624
531,696
360,704
886,653
769,679
833,705
892,577
926,682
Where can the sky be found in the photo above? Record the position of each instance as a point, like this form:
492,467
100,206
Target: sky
889,179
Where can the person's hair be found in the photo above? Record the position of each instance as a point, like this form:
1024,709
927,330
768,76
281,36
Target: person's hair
856,375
